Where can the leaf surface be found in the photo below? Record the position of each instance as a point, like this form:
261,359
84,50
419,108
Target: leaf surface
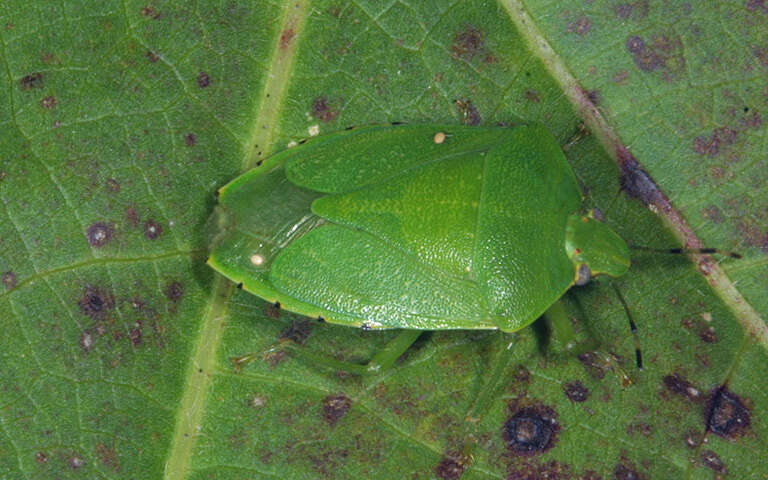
121,119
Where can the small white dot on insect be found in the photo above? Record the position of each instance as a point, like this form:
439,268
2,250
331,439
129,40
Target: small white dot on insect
439,138
257,259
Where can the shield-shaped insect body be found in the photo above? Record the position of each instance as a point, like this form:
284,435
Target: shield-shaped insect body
414,226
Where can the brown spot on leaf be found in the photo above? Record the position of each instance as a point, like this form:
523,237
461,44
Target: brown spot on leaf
710,460
468,112
108,456
641,428
41,457
31,81
286,37
632,10
620,77
532,96
152,229
9,280
693,438
112,185
678,385
754,5
468,43
576,391
634,180
150,12
96,302
626,471
190,139
710,145
527,469
152,56
273,310
49,102
297,331
335,407
174,291
75,462
450,468
322,111
203,80
99,234
594,97
132,216
761,53
531,429
580,26
713,214
726,415
660,53
136,335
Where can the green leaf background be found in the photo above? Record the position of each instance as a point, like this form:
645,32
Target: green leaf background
119,120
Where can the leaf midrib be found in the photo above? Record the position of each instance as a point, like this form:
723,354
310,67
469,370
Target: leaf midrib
202,365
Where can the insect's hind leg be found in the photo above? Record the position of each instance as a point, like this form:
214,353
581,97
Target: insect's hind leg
382,361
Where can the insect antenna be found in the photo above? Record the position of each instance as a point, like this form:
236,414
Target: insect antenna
632,327
680,251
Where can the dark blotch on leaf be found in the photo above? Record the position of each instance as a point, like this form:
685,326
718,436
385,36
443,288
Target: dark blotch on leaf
635,181
99,234
576,391
152,56
580,26
136,335
450,468
531,430
203,80
710,145
469,113
297,331
322,111
152,229
532,96
96,302
624,472
9,280
468,43
286,37
632,10
48,102
41,457
190,139
273,310
174,291
113,185
725,414
680,386
150,12
132,216
710,460
75,462
108,456
335,407
31,81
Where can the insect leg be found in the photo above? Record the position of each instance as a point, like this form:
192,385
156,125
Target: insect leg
632,327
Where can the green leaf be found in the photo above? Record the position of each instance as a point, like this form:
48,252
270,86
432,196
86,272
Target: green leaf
120,120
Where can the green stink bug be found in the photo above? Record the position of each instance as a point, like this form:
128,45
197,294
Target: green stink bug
416,227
